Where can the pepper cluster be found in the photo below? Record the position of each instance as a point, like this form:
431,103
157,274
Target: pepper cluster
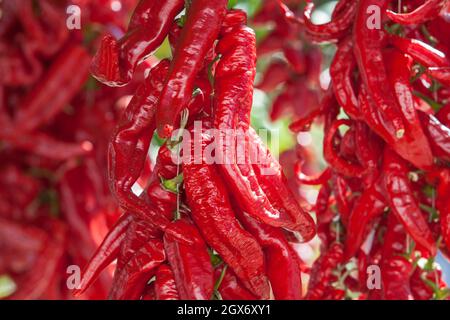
55,125
383,199
197,230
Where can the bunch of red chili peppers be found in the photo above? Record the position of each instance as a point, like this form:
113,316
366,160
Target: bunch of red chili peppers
226,230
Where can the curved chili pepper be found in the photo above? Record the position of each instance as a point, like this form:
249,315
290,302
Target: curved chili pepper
191,264
115,61
105,253
68,71
165,287
321,178
427,11
334,29
274,184
213,214
402,201
368,52
322,202
276,73
333,158
202,27
129,282
341,71
367,149
414,146
322,271
286,285
438,135
230,288
396,272
129,146
442,74
423,53
370,205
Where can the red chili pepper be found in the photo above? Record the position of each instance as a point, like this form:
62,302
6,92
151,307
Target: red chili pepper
165,287
442,74
322,271
274,184
420,51
321,178
286,285
414,145
333,30
129,281
341,71
322,202
115,61
230,287
202,27
276,73
438,136
369,206
191,264
443,205
105,253
368,52
427,11
213,214
59,85
396,272
402,201
338,163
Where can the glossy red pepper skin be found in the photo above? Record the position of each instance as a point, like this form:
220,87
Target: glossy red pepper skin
341,71
165,286
274,183
396,273
129,146
129,282
442,74
401,199
322,271
427,11
369,206
59,85
191,264
438,135
333,30
201,29
105,254
443,205
368,52
116,60
230,288
286,285
213,214
414,146
338,163
421,52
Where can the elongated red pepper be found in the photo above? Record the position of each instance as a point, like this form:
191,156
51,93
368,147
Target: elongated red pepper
116,60
368,52
341,71
230,287
279,255
213,214
129,282
338,163
191,264
442,74
69,71
370,205
129,147
202,27
165,287
423,53
414,146
427,11
334,29
274,184
443,205
276,73
105,253
402,201
438,135
322,271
